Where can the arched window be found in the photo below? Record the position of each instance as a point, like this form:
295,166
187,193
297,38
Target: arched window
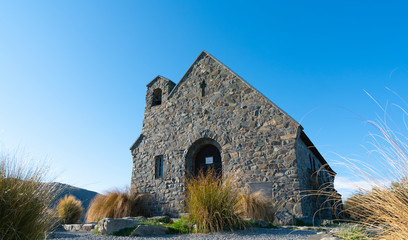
157,97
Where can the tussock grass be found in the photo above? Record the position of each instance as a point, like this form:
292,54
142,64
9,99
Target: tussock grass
70,209
118,204
385,205
256,206
24,200
212,203
385,208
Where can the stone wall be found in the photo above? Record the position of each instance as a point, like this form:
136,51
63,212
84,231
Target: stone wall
257,140
314,177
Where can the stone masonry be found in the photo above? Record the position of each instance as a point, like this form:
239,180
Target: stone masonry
257,141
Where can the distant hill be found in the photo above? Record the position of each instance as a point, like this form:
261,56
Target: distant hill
85,196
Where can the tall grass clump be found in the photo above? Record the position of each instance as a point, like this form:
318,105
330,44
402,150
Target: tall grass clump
212,203
70,209
385,205
118,204
256,206
24,200
385,208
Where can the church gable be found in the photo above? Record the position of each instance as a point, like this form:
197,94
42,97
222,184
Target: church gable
208,77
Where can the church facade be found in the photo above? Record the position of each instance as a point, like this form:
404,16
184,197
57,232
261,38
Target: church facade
214,118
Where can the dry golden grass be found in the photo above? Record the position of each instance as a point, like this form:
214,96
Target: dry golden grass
70,209
384,206
24,200
256,206
212,203
117,204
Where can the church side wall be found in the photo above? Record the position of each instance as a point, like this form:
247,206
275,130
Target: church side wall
313,177
257,139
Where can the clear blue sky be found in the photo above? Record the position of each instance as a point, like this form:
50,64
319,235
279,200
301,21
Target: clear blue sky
73,73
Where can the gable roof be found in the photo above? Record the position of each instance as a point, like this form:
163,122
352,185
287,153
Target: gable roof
137,142
203,54
157,78
316,152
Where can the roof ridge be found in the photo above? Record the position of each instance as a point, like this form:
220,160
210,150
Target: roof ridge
156,78
186,73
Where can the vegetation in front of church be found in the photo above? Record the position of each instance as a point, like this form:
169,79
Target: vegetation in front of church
24,200
352,232
118,204
383,209
256,206
70,209
213,203
181,226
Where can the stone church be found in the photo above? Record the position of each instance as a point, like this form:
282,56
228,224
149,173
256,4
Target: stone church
214,118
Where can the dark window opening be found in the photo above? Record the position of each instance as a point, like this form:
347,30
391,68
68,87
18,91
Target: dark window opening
202,86
158,166
312,163
157,97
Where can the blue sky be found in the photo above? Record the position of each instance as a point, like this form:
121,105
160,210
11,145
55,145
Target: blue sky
73,73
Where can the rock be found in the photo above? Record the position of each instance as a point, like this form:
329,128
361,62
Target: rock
324,236
72,227
88,227
139,218
262,223
110,225
284,218
149,230
163,219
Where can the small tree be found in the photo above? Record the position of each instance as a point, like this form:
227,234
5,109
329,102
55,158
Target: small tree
70,209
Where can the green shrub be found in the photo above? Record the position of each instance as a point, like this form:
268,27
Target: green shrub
180,226
212,203
352,232
117,204
70,209
24,201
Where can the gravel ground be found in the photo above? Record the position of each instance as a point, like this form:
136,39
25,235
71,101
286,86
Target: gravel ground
251,233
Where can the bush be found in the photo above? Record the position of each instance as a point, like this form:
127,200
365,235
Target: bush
24,201
351,232
117,204
258,207
70,209
212,203
180,226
